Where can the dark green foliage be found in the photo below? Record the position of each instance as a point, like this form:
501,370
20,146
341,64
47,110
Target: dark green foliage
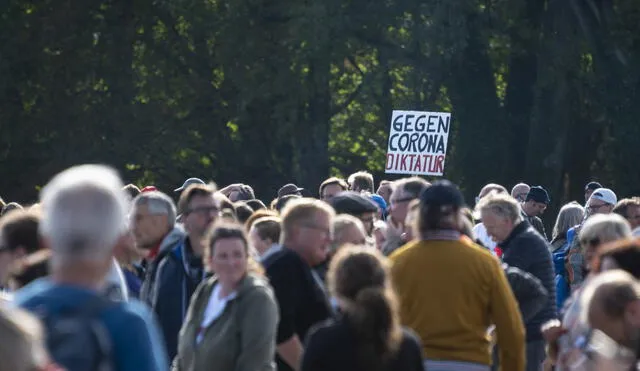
267,92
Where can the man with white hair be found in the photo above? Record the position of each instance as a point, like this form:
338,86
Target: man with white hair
526,249
153,224
347,229
520,191
83,221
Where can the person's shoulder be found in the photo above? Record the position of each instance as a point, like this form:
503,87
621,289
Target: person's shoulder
125,317
33,293
327,331
404,251
282,259
410,337
532,236
410,342
172,257
132,309
257,287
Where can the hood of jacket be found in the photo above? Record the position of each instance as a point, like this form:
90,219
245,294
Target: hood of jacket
176,235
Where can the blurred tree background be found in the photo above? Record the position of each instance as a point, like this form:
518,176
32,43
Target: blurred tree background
267,92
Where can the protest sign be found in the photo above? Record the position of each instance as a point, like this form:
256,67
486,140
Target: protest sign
418,142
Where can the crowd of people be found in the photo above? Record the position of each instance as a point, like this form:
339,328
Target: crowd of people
102,276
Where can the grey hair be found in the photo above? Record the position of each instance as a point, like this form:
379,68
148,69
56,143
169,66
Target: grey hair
158,203
342,222
605,228
502,205
83,214
569,216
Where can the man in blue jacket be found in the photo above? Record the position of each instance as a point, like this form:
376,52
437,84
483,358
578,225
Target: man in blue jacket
180,272
82,223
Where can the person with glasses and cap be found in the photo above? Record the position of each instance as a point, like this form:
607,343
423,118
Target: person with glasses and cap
181,271
533,206
589,189
451,290
601,201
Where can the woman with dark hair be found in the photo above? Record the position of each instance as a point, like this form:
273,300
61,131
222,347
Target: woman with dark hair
368,337
232,320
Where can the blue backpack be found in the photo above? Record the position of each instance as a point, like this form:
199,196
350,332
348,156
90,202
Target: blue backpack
78,340
563,290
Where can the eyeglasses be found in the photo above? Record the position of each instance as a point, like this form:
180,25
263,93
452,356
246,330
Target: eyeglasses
203,210
399,200
590,242
325,230
593,208
370,219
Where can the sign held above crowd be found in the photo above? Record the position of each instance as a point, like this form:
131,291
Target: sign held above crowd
418,142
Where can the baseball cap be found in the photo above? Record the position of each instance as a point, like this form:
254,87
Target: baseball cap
379,200
148,189
289,189
353,203
189,182
605,195
442,193
538,194
592,186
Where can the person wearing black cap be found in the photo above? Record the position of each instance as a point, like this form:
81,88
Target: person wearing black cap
290,189
358,205
451,290
589,188
534,205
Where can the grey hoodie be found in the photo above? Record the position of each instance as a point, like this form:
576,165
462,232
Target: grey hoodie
170,241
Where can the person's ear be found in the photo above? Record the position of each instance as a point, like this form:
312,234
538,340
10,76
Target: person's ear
632,313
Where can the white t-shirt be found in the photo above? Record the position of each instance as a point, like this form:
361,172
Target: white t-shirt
481,233
215,307
115,286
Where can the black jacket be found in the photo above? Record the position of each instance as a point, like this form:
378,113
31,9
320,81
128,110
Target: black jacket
526,249
332,346
536,223
301,299
528,290
179,274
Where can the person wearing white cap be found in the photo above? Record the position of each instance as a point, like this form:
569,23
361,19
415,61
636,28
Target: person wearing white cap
187,183
601,201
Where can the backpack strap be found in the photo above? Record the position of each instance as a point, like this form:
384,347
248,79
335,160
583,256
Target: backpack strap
89,312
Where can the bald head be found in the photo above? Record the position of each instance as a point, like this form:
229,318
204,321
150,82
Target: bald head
611,297
491,187
519,192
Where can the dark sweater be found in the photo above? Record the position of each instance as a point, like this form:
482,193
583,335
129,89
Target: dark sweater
526,249
301,301
332,347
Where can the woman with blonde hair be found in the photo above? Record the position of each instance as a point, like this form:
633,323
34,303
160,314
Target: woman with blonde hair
232,320
368,336
570,215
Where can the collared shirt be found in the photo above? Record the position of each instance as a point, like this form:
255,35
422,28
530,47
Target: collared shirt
441,234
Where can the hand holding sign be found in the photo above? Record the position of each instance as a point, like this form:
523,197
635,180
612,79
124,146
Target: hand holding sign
418,142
